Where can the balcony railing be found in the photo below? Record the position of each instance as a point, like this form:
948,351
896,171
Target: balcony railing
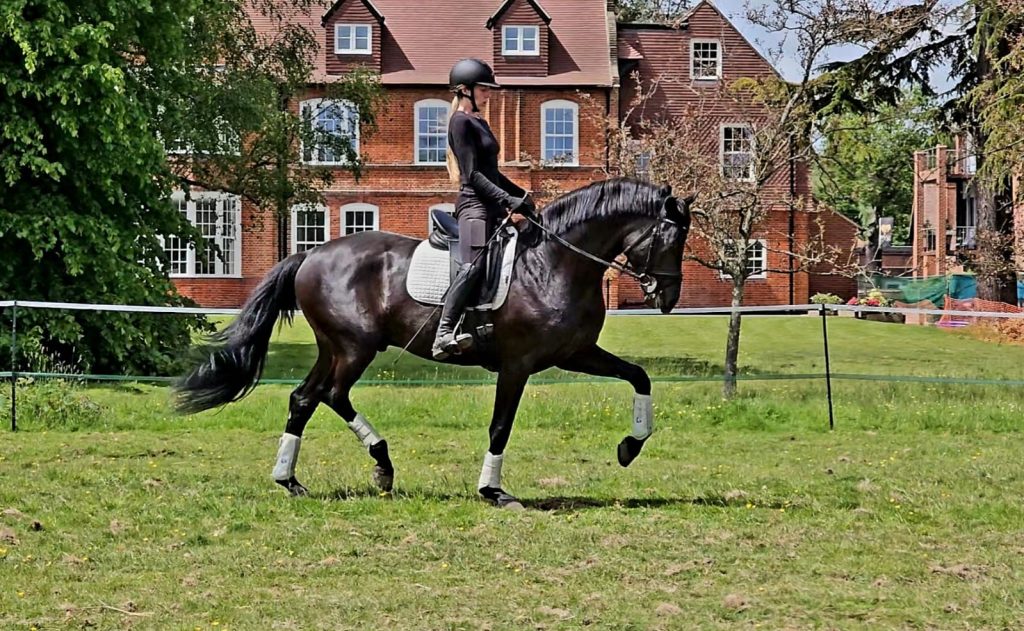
931,159
960,163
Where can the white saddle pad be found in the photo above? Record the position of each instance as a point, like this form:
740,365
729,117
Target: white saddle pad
430,274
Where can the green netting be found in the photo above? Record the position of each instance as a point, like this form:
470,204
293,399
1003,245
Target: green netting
934,289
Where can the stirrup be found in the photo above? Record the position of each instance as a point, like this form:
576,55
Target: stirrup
451,344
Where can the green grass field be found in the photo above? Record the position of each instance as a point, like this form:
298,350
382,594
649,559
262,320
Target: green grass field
740,514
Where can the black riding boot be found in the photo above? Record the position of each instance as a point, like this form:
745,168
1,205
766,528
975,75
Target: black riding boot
447,342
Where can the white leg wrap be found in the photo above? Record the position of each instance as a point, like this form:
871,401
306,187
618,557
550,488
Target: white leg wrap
287,456
364,431
643,416
490,475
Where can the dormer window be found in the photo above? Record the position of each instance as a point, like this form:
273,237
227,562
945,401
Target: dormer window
520,40
353,39
705,60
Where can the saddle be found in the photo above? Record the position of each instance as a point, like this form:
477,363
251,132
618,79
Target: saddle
435,262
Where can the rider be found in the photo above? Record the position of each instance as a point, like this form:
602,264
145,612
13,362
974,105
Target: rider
485,195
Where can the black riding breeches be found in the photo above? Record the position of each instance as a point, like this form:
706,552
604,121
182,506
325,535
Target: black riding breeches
477,222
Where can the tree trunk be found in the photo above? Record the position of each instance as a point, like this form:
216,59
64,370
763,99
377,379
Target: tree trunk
988,280
732,344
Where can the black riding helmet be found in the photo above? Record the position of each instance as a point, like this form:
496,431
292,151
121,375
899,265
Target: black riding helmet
469,73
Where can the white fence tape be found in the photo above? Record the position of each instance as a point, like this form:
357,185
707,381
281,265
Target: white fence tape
766,309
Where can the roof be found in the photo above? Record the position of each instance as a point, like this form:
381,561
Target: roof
507,3
369,5
419,45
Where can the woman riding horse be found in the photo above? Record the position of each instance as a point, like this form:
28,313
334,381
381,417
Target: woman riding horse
353,294
485,195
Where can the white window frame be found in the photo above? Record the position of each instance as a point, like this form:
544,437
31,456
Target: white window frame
693,59
519,52
722,152
446,207
353,50
422,105
296,209
357,207
230,144
317,105
191,257
763,274
559,104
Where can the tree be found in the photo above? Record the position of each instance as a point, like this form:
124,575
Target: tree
238,128
865,169
977,40
91,92
735,198
737,192
656,11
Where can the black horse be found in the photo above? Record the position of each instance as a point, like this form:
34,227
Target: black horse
352,291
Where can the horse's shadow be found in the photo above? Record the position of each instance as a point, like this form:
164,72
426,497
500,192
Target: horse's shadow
555,504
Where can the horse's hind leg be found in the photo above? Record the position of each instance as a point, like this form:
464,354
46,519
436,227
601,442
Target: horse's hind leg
301,405
347,371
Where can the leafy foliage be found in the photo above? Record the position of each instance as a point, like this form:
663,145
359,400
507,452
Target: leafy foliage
866,170
655,11
90,93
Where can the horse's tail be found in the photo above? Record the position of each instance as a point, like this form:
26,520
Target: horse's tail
233,359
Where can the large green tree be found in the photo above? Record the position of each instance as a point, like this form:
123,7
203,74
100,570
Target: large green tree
976,43
865,169
90,92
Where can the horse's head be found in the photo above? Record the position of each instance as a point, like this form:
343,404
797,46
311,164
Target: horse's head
656,251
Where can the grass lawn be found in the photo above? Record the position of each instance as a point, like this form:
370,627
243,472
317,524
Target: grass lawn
739,514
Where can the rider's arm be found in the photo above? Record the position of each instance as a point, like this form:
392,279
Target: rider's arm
465,149
510,187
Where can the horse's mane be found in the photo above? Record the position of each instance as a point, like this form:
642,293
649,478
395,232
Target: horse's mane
610,198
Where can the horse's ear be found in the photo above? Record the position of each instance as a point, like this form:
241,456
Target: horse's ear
665,190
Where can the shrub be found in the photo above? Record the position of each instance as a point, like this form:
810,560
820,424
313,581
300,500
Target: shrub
826,299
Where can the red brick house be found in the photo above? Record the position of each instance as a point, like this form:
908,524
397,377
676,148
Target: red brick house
559,65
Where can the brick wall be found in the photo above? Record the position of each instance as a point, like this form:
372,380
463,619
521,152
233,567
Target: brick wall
842,233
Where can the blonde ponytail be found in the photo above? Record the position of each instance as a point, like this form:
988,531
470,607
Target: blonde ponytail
453,164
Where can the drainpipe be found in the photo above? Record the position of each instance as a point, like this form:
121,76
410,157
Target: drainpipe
792,220
282,237
608,114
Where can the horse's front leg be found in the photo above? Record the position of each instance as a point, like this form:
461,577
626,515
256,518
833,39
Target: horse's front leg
506,401
596,361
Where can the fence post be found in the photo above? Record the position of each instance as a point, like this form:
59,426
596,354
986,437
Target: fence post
828,366
14,373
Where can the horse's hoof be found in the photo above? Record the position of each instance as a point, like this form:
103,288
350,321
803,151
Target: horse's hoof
629,449
383,478
293,486
383,471
501,499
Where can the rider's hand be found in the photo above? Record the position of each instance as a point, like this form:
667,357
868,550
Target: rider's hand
523,206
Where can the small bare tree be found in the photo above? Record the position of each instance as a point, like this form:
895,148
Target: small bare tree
740,174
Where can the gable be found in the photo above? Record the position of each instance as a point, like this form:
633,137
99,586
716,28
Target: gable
740,58
362,8
538,11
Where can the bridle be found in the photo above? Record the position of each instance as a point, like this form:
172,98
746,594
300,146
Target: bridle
647,278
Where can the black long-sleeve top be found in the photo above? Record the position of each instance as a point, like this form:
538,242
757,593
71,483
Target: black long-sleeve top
476,150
